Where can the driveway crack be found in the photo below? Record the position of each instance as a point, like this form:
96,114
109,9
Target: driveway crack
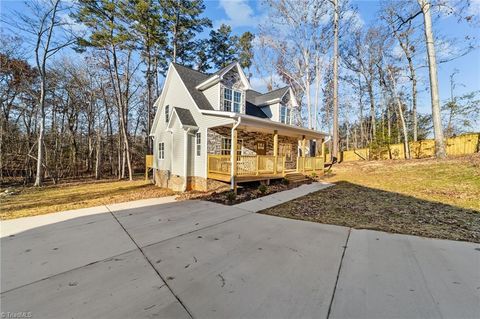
338,274
150,263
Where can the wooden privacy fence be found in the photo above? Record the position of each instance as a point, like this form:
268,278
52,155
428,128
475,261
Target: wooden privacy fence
460,145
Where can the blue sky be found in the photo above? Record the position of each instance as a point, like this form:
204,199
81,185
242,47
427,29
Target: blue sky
244,15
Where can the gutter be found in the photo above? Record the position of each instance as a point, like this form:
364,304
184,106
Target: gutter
232,177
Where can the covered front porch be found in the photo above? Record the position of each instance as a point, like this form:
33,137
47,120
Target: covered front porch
263,152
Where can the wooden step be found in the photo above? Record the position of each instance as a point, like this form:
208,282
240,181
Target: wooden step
296,177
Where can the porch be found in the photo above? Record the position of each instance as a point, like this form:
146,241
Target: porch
263,153
250,168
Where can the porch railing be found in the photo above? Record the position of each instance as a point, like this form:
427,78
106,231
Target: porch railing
310,164
250,165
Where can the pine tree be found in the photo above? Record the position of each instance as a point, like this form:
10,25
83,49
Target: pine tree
109,32
245,47
146,25
222,46
183,22
202,63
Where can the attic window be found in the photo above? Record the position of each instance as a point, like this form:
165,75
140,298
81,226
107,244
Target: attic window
167,113
232,100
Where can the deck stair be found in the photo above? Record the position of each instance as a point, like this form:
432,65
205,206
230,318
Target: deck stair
297,178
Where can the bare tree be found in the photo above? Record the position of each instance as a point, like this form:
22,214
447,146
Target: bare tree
432,71
49,35
335,80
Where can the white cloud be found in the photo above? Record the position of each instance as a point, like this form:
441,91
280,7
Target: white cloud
239,13
474,8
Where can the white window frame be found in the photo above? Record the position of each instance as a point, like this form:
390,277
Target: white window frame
198,143
230,100
167,113
161,151
285,118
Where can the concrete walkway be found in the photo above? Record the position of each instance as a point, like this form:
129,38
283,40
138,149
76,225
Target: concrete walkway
196,259
272,200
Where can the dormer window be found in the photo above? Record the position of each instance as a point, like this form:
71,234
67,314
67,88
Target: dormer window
232,100
285,114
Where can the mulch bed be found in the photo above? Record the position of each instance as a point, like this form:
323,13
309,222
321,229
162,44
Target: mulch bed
361,207
245,192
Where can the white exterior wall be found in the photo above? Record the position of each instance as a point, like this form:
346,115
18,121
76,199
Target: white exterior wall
176,95
272,111
177,153
213,96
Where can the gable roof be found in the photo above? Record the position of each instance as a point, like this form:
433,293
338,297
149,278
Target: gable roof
272,95
191,78
185,116
251,107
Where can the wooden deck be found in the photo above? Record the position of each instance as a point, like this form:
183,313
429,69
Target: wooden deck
251,168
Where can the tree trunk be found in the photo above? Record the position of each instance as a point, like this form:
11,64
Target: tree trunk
413,78
41,136
402,118
335,80
432,68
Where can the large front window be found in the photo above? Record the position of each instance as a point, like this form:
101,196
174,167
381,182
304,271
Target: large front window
285,114
232,100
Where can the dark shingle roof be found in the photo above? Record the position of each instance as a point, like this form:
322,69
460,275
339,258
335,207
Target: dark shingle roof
250,107
185,117
275,94
191,79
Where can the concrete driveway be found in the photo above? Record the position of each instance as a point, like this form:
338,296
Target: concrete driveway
164,259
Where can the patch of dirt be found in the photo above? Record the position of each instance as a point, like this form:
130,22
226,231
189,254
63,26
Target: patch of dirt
245,192
361,207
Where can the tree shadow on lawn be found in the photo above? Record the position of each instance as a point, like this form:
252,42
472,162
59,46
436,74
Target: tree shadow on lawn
361,207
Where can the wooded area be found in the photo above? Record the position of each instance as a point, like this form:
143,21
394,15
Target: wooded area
78,80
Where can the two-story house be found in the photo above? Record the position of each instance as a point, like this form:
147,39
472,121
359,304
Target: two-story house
216,127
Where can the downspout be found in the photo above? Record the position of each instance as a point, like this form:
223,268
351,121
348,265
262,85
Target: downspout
185,158
232,177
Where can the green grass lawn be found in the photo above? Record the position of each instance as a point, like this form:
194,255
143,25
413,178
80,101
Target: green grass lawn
36,201
430,198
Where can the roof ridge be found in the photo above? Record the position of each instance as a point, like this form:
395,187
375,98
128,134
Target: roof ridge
189,68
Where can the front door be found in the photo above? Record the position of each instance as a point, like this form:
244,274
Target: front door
261,148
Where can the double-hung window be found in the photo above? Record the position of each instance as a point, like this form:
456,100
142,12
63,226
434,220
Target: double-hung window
198,145
232,100
167,113
161,150
285,114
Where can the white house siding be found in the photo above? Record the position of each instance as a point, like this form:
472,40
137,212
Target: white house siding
177,154
272,111
213,95
176,95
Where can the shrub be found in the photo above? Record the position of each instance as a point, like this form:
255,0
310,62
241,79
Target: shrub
285,181
231,196
313,175
262,189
